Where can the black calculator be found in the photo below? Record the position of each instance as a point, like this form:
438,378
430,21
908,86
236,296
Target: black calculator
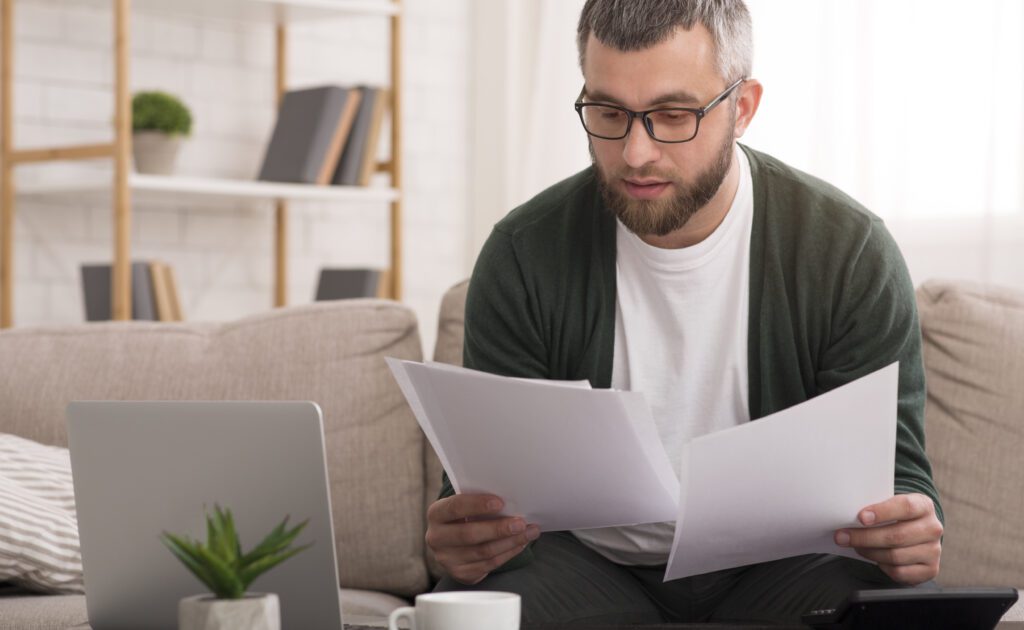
917,608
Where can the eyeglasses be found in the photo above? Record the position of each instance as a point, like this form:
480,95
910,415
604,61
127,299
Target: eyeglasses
664,124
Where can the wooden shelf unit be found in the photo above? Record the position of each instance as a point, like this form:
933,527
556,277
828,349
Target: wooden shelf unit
127,184
162,187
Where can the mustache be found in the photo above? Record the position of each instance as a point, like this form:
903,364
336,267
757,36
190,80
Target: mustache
646,171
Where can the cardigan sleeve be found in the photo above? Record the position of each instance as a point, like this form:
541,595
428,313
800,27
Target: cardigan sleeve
875,323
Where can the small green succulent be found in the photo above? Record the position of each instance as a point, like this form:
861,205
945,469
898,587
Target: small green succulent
220,563
160,111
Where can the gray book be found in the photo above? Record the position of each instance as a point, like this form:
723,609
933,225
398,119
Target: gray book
96,289
312,125
340,284
352,157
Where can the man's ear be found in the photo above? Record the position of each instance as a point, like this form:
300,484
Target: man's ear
746,105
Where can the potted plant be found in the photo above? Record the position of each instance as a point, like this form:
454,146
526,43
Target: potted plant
221,565
159,121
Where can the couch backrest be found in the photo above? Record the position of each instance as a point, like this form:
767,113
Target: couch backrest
974,423
447,349
974,361
331,353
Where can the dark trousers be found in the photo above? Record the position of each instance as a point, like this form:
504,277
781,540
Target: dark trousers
568,582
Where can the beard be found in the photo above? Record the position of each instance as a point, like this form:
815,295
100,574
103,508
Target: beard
663,216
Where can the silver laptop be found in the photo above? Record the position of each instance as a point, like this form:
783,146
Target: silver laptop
142,468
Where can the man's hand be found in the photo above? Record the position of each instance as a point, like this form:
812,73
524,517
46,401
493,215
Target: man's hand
907,549
469,541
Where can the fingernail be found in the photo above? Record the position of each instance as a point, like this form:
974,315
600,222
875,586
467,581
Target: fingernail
533,532
494,504
868,518
516,526
842,538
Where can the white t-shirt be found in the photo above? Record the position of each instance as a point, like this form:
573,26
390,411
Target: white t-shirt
681,339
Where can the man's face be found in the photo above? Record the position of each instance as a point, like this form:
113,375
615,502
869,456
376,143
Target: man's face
654,188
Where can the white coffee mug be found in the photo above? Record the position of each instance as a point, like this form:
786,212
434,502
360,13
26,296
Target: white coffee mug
461,610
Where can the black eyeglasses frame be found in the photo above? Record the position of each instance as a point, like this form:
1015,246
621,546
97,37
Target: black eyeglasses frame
699,112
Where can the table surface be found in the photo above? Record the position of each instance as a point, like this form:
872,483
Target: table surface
661,626
1004,625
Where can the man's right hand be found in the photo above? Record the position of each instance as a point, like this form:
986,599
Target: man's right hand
468,538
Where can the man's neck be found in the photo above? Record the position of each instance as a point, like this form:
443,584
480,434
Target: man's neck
706,220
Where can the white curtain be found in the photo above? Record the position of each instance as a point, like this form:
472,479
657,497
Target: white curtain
914,108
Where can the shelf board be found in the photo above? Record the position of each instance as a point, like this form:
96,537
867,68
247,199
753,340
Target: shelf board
159,187
275,11
259,11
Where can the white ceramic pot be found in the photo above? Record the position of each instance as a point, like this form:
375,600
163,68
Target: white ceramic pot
155,152
255,611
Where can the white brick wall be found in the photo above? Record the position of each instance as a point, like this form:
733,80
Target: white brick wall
222,250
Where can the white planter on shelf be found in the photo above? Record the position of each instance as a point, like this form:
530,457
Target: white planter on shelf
255,611
155,152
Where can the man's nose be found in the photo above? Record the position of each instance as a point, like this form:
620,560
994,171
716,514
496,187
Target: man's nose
640,147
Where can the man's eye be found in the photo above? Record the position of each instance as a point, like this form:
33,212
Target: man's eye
671,117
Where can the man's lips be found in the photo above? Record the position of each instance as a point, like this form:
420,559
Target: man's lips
645,188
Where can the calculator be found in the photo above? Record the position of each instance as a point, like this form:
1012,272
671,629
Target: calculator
917,608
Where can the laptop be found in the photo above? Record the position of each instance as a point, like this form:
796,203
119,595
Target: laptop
142,468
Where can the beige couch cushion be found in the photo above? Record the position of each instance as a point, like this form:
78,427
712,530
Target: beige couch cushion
447,349
974,360
332,353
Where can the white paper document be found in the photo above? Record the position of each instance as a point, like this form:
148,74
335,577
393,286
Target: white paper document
781,486
559,454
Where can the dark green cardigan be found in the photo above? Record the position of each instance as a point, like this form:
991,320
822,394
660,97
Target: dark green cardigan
830,300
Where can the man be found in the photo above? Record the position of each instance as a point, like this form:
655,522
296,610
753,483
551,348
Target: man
720,282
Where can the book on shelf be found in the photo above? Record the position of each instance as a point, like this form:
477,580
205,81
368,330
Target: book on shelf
172,287
309,135
154,292
359,159
341,284
161,293
165,292
96,289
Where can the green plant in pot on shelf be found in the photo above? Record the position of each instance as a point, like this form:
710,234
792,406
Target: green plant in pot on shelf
159,122
227,571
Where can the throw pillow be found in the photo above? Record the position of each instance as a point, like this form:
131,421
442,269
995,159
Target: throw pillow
38,528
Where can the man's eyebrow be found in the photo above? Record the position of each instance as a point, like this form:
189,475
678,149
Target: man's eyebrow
680,96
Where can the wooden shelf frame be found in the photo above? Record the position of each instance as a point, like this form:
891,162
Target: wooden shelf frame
162,187
120,151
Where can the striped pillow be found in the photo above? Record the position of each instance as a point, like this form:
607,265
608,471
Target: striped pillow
38,528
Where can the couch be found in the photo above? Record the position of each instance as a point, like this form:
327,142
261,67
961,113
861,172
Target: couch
383,473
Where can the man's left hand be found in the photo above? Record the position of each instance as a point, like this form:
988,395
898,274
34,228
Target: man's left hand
908,548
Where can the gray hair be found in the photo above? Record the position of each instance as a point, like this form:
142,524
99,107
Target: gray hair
639,24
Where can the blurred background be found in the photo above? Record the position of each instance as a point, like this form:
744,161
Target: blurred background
916,109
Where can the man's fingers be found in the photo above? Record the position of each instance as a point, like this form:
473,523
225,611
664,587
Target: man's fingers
458,556
473,533
926,553
902,507
477,571
469,540
905,534
910,574
469,565
463,506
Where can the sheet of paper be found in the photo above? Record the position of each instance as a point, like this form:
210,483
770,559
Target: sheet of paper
561,455
781,486
458,369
